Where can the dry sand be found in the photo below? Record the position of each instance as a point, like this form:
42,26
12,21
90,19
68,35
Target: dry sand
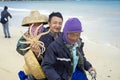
104,58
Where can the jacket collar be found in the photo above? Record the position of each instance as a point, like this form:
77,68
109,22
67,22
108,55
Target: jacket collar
62,44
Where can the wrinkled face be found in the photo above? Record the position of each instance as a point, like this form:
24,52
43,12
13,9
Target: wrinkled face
55,24
73,37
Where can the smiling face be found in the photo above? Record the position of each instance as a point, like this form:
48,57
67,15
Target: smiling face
73,36
55,24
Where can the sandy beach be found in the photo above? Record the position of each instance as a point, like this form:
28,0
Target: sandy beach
100,19
10,61
104,58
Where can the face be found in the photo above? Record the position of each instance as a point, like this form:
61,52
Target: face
73,37
36,24
55,24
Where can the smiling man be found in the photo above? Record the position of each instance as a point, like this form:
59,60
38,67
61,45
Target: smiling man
55,24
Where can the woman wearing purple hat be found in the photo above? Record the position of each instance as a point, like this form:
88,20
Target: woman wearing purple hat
64,58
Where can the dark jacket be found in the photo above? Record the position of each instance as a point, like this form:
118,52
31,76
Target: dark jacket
48,39
57,60
4,15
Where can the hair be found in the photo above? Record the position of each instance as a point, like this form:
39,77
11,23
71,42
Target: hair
57,14
5,7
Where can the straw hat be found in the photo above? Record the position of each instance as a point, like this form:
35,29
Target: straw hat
32,66
34,17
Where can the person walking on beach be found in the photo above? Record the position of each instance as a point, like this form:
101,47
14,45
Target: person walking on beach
64,58
5,22
55,24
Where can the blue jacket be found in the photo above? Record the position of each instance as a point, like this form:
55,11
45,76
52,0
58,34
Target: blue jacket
57,62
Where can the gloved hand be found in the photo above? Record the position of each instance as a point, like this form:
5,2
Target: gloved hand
93,75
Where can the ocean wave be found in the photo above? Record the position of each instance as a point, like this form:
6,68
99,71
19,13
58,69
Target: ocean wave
16,9
27,10
104,43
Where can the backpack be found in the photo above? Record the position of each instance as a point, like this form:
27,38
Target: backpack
3,20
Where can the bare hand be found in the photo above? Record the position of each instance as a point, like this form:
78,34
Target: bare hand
35,48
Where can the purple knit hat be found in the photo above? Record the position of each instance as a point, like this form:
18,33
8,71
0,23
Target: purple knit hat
71,25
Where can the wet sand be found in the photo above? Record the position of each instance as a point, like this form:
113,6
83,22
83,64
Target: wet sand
104,58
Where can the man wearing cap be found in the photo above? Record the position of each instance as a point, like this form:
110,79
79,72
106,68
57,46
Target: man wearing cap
64,58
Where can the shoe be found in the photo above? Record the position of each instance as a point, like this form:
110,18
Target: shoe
5,36
9,36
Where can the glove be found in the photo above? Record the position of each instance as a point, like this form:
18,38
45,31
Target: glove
93,75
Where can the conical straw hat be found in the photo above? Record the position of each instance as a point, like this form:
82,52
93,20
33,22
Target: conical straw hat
34,17
32,66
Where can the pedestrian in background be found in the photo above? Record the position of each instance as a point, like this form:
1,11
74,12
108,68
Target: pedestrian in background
5,22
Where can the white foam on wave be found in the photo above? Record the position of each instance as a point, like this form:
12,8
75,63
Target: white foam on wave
46,12
17,9
92,41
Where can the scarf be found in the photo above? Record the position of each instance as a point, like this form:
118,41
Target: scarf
73,54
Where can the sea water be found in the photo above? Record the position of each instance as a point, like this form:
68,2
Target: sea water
100,19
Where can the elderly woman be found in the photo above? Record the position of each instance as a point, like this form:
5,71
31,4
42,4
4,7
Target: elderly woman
64,58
